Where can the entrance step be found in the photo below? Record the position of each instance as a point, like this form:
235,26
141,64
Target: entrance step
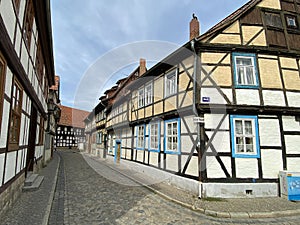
33,182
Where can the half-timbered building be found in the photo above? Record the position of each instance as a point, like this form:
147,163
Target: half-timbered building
70,131
224,109
26,73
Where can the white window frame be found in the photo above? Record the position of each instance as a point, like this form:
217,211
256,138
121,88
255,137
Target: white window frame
240,71
171,83
148,94
154,136
140,137
141,97
245,136
170,137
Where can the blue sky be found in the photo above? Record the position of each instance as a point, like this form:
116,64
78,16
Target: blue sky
86,33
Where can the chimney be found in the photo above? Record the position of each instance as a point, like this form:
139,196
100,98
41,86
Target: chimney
142,67
194,27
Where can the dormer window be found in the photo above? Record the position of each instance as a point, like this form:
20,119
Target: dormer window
291,22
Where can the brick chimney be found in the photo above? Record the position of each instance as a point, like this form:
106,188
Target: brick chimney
142,67
194,27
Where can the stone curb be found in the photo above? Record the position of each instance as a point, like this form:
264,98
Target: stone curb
51,195
233,215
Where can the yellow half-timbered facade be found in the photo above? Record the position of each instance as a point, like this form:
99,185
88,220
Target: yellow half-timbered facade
224,109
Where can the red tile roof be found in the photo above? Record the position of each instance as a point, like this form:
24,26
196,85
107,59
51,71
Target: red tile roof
72,117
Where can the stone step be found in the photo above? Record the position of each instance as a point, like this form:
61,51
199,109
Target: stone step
35,185
30,179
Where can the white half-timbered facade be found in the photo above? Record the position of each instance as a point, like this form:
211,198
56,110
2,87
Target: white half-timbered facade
26,73
224,109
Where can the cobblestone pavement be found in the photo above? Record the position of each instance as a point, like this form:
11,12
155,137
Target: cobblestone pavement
93,199
30,208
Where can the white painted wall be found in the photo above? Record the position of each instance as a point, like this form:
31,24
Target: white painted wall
293,99
2,157
10,166
269,132
292,143
293,164
273,98
247,97
8,16
215,96
290,124
4,125
246,168
221,141
211,121
271,163
214,169
8,82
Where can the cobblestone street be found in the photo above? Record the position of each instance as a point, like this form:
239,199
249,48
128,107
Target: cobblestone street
92,199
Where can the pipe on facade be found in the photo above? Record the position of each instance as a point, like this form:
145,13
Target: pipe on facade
198,120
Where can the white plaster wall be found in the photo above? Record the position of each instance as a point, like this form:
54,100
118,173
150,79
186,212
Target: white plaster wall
4,125
221,141
22,11
8,16
8,82
226,190
146,156
292,143
24,158
10,166
290,124
247,97
192,168
269,132
271,163
24,57
293,164
140,155
19,161
246,168
273,98
211,121
293,99
186,143
2,157
190,124
214,169
153,158
22,128
215,96
172,162
18,41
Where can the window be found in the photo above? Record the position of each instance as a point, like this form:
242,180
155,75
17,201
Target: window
41,132
245,70
172,136
154,137
28,23
140,137
15,121
148,94
244,134
291,21
171,83
273,20
99,138
141,97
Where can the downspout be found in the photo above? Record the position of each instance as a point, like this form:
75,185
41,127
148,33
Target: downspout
199,121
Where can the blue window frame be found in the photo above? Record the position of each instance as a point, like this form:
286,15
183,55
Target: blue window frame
172,136
140,137
245,71
154,136
244,136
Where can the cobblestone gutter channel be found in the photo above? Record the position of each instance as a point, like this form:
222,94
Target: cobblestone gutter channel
57,209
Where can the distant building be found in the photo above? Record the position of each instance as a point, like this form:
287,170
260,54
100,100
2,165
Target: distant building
26,74
70,129
221,112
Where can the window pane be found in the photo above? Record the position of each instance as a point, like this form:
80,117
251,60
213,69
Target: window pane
238,127
248,127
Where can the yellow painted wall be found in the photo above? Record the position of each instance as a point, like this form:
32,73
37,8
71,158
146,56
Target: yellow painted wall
273,4
269,73
158,89
291,80
288,63
250,31
226,39
148,111
170,104
234,28
187,101
158,108
212,57
221,75
184,81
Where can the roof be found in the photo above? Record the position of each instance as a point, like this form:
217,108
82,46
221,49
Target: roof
72,117
229,19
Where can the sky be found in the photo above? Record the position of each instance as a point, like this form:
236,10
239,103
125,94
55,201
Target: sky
97,42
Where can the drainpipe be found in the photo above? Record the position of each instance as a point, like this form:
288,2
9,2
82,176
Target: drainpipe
198,120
